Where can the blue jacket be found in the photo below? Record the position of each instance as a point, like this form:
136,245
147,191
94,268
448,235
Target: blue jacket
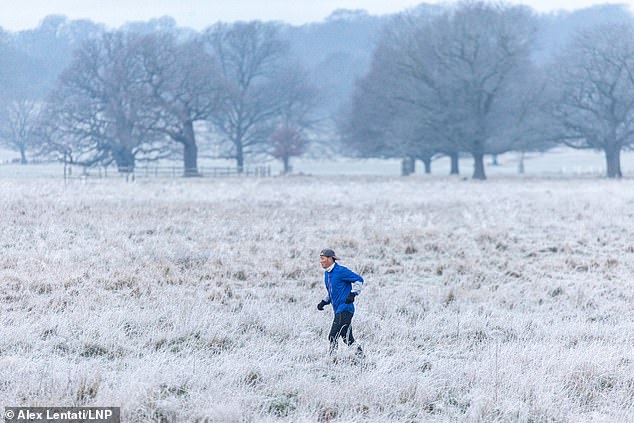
340,282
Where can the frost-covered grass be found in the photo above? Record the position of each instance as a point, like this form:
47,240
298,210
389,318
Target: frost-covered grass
509,300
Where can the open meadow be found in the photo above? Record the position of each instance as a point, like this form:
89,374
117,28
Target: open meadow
195,300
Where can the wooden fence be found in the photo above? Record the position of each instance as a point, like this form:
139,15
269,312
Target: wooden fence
99,172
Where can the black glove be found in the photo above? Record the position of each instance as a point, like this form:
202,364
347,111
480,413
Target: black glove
321,305
350,298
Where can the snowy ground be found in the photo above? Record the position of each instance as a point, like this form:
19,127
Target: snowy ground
195,300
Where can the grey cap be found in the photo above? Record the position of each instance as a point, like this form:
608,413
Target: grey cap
327,252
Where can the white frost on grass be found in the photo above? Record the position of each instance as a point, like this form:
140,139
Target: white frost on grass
508,300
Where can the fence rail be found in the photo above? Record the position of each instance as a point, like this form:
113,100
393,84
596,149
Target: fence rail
85,172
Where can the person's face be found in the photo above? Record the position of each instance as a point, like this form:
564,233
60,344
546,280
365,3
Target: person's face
326,262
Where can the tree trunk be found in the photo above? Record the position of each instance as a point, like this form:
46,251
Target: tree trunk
190,151
408,166
23,156
520,166
455,164
427,162
239,158
478,166
286,161
190,160
613,161
124,160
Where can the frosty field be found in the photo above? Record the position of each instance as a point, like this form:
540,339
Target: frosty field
195,300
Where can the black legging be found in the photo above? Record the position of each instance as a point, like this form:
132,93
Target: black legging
341,326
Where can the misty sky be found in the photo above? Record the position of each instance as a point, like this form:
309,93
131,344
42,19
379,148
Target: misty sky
198,14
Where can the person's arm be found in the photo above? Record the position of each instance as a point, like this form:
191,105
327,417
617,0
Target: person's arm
325,301
357,285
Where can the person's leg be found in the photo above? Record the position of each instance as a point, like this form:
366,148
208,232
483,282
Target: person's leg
346,328
346,333
335,330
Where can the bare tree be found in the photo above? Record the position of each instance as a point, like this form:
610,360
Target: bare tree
442,84
476,54
418,92
592,88
100,111
368,124
296,118
286,142
182,82
19,127
251,56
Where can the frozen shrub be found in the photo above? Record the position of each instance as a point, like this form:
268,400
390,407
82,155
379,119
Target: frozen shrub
282,405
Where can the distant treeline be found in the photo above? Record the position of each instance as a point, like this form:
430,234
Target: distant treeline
471,78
